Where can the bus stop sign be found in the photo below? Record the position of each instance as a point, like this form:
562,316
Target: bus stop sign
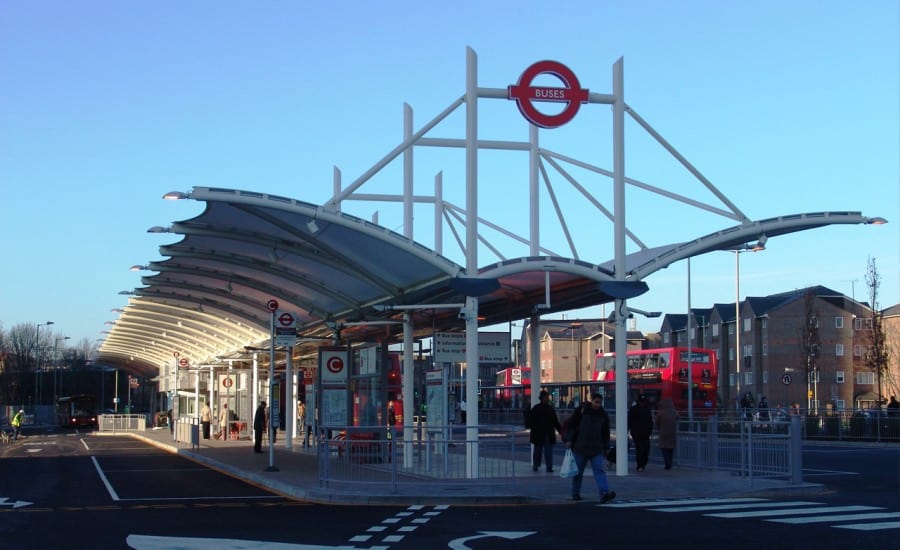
525,94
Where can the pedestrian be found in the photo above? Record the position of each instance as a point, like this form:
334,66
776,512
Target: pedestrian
223,422
301,416
17,423
307,429
747,403
587,435
667,430
640,424
169,421
462,411
763,409
259,426
544,425
205,419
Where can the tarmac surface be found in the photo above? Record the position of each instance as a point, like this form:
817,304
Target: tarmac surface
295,475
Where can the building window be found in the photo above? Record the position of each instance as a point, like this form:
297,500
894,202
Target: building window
764,322
730,329
746,324
748,378
839,350
765,349
715,329
667,337
814,377
814,322
838,322
731,354
857,350
730,378
865,378
765,377
840,404
857,323
839,377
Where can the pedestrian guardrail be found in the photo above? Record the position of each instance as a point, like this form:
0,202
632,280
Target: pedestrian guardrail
122,423
753,449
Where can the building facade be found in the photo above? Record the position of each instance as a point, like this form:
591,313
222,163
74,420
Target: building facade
808,346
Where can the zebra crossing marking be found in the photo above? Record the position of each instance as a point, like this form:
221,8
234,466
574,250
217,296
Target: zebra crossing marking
728,506
804,512
794,511
839,517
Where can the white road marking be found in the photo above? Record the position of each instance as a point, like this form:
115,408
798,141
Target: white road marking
793,511
838,517
732,506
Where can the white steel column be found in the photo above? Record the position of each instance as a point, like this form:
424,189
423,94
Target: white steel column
408,390
255,398
534,200
290,402
471,308
439,213
619,245
407,173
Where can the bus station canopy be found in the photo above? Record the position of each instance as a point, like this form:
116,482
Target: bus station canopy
339,274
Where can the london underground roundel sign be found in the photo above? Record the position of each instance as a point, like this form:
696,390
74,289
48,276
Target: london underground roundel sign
525,94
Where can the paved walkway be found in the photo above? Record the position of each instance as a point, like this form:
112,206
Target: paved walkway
296,476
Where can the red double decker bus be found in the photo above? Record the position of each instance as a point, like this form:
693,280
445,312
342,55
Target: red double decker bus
663,372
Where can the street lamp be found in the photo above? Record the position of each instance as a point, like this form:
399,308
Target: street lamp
37,369
56,367
572,328
759,246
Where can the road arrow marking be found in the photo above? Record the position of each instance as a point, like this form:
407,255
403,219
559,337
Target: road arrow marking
147,542
16,504
460,544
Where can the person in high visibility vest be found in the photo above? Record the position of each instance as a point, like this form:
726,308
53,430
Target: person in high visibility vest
17,424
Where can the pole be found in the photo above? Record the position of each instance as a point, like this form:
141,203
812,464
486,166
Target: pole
690,380
271,467
737,323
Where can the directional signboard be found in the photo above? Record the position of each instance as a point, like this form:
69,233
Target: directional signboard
285,328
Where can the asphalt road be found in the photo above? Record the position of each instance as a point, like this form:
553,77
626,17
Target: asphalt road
69,491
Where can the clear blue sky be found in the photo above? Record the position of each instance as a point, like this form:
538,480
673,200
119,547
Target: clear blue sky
787,107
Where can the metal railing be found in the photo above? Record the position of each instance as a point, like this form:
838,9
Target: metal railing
122,422
376,455
749,448
435,454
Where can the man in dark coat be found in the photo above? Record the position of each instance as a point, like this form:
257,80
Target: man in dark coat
587,435
544,424
640,424
259,426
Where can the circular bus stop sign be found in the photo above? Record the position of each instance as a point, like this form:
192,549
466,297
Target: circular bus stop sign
525,94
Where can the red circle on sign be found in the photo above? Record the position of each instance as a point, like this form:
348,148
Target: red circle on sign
286,319
525,94
272,305
228,382
183,362
335,364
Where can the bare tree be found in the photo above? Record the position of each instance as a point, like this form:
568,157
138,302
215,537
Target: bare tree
23,347
809,346
877,357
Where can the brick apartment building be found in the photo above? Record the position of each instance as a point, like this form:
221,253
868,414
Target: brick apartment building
776,355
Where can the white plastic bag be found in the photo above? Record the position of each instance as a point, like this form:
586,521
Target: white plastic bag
568,468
